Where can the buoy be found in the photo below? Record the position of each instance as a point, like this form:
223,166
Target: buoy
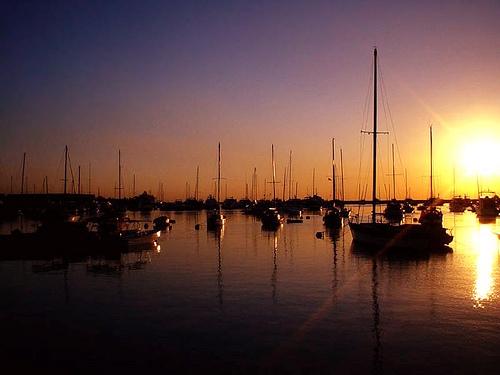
197,227
308,217
319,234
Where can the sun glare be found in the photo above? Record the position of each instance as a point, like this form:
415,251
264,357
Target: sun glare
480,157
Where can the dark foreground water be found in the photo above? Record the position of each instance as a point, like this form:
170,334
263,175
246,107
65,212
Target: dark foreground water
250,301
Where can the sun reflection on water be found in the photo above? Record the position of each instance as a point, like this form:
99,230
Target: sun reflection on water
484,290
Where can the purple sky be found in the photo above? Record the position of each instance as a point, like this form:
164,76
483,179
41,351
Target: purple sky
165,81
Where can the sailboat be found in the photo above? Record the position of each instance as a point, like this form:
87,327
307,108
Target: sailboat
215,219
457,203
408,237
407,204
332,218
393,211
430,213
271,218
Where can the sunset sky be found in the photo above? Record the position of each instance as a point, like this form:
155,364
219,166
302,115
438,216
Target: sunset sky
165,81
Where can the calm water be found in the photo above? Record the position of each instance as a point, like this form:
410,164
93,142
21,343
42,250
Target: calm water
254,301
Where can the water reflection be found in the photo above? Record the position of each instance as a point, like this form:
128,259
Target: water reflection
274,274
218,235
115,266
377,347
486,241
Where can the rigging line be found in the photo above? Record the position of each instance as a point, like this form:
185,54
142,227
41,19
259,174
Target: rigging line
384,94
72,176
364,125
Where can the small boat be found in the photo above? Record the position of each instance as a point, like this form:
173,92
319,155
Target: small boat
162,223
393,212
407,207
102,235
294,216
487,208
431,216
458,204
215,219
332,218
271,219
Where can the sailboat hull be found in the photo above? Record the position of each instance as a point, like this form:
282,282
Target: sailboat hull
413,237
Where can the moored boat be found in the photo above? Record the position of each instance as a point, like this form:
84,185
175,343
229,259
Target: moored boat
427,236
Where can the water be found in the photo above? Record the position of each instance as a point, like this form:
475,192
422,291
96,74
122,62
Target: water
248,301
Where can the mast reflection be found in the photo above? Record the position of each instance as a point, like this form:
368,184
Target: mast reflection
218,234
377,347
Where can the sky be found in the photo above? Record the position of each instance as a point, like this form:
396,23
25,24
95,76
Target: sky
165,81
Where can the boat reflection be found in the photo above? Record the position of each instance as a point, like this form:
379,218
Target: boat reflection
116,266
218,235
274,275
487,255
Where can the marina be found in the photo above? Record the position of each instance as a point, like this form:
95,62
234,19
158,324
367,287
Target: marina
247,300
250,187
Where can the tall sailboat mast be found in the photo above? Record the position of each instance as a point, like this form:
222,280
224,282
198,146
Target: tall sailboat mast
197,182
22,173
119,174
65,169
218,179
393,175
290,177
342,175
333,171
274,173
406,185
432,192
374,182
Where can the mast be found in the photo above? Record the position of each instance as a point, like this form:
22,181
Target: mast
406,185
430,133
197,182
65,169
218,179
274,173
342,176
79,185
333,171
119,174
314,178
393,175
133,186
22,173
290,177
374,182
284,185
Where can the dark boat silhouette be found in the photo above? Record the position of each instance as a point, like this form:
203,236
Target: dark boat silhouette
413,237
215,219
333,218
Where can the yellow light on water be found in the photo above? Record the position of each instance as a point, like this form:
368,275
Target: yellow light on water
487,248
